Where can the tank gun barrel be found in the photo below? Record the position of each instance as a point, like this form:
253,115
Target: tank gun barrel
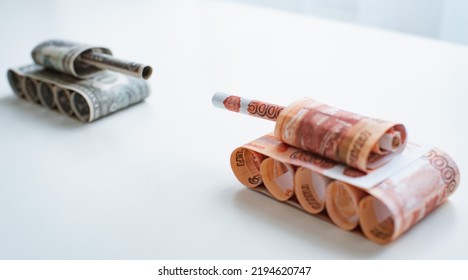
106,61
247,106
84,61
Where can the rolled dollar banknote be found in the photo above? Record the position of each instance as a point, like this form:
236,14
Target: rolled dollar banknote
358,141
384,202
16,82
62,100
83,61
87,100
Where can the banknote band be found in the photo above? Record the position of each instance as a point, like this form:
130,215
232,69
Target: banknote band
278,178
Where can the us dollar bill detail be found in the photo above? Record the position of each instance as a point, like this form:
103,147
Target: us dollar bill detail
90,99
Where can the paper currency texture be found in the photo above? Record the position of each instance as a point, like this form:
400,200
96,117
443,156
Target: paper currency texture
361,142
83,61
384,202
87,100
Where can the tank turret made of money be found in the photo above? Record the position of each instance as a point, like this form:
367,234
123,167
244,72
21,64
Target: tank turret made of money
80,80
380,184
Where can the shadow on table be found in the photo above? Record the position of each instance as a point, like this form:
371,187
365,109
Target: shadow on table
26,111
351,245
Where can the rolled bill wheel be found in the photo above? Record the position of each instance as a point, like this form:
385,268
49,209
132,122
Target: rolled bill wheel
62,100
46,95
15,82
310,188
246,167
278,178
30,89
376,220
342,204
80,107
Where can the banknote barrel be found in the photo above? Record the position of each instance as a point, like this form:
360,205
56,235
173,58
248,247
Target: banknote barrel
62,100
246,166
30,89
278,178
361,142
87,100
383,204
310,189
108,62
342,202
84,61
46,95
16,81
80,106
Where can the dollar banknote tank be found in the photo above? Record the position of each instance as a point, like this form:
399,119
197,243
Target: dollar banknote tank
81,81
354,171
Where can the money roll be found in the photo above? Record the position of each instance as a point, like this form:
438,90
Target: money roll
361,142
84,61
358,141
278,178
406,197
87,100
342,202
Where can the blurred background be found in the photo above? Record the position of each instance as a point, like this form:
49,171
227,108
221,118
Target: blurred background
440,19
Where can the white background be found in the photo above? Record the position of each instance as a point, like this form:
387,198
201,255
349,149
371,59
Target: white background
443,19
154,181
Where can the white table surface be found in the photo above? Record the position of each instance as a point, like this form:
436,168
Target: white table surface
154,181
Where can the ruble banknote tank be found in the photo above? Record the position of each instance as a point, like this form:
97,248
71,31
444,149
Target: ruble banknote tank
357,172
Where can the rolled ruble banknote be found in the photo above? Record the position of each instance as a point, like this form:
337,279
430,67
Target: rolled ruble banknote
246,166
361,142
278,178
310,188
408,196
83,61
342,202
87,100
